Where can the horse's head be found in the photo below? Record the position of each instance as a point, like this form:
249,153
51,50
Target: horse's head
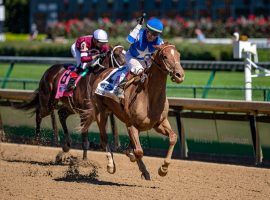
167,58
115,57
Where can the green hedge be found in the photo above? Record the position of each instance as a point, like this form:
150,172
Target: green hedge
188,51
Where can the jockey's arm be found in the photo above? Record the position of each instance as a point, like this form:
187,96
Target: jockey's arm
133,35
85,57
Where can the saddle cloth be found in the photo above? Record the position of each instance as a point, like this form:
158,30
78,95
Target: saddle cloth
63,81
108,86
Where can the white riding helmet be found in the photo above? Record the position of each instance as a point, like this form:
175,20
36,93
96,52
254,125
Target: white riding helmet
100,35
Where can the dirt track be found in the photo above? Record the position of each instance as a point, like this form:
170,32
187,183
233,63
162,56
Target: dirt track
29,172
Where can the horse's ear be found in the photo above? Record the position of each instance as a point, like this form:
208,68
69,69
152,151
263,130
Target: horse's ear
166,43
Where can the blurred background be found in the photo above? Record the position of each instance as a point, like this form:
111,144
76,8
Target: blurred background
202,30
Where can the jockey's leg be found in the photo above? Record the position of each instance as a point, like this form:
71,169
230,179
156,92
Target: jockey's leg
136,67
71,84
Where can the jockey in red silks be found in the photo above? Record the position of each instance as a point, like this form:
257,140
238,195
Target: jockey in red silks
87,49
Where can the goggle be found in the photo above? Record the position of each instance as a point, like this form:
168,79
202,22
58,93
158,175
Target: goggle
153,33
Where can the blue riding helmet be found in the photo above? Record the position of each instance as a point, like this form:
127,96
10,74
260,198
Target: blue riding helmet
155,24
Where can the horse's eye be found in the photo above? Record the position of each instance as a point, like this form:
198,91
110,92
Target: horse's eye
164,57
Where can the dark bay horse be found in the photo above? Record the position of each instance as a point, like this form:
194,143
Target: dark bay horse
44,101
145,106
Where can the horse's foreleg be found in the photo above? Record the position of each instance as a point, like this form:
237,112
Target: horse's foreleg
130,152
55,141
101,118
165,129
134,137
142,168
63,115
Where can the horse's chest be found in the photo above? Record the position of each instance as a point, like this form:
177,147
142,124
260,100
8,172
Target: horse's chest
145,118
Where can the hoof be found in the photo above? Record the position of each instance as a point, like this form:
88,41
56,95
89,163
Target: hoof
84,154
132,157
66,148
162,172
146,176
111,169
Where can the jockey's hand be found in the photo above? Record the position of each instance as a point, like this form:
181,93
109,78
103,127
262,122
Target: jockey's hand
94,57
136,71
140,20
102,55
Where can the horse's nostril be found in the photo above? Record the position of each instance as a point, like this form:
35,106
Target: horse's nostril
178,75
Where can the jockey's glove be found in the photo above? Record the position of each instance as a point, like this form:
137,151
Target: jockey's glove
102,55
136,71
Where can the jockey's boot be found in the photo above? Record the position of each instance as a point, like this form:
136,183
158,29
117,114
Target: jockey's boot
119,91
71,84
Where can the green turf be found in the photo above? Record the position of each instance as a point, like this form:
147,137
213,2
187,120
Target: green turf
195,78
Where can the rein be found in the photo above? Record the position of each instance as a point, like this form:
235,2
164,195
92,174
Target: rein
98,67
113,59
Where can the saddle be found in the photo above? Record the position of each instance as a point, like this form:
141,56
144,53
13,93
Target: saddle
115,83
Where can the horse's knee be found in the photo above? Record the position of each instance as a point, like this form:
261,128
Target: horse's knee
138,153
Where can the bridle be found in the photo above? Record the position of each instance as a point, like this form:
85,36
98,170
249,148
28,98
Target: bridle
168,69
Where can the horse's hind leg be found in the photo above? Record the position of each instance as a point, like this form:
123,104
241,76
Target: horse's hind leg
63,114
55,141
38,122
165,129
101,118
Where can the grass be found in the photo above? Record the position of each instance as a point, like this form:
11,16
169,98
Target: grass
194,78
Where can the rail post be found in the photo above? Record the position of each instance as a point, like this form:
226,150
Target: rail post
7,75
2,132
255,139
182,137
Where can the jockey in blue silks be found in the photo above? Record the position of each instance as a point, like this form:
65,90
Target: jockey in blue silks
142,41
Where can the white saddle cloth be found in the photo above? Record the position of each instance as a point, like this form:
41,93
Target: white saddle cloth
108,86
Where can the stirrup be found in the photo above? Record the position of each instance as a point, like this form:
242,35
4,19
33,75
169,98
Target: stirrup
119,92
71,85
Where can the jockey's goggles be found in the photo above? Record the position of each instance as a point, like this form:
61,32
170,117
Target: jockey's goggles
153,33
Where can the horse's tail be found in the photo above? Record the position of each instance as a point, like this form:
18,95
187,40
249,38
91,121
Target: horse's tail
33,104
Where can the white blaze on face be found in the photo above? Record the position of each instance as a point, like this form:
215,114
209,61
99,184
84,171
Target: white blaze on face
172,52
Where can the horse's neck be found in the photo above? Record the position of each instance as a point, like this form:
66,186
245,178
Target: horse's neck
156,84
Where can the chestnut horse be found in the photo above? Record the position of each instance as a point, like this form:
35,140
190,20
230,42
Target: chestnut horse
145,106
44,101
